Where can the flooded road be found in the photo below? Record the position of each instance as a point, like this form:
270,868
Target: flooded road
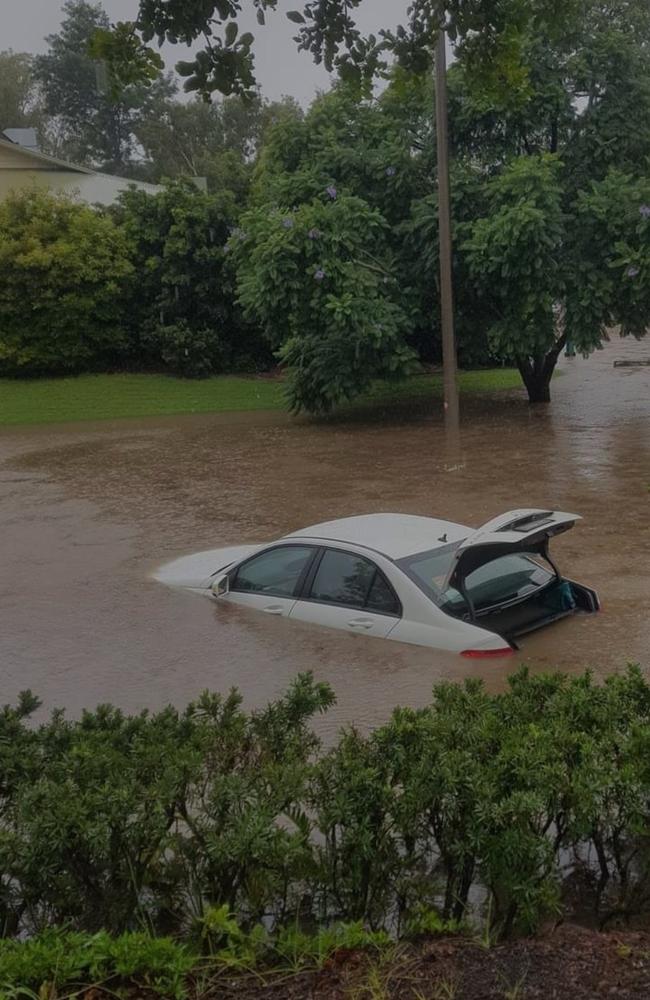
88,511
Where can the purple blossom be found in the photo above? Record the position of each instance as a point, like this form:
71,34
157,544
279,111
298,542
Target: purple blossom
319,275
391,171
632,271
288,223
314,234
332,192
644,211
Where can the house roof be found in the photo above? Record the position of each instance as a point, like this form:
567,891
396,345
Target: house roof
25,137
42,158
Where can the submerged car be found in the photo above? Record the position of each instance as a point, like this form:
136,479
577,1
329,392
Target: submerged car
402,577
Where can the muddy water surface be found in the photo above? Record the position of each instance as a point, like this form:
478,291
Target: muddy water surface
88,511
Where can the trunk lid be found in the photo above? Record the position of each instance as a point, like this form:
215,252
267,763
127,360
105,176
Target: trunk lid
516,531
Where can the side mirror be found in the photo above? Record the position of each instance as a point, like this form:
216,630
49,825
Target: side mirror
221,586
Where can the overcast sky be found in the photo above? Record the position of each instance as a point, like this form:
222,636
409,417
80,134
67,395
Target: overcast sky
281,69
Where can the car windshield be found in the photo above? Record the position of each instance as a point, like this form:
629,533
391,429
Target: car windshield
509,577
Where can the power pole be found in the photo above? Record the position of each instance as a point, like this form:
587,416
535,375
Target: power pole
449,361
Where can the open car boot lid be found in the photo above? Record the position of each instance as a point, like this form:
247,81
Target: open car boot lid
516,531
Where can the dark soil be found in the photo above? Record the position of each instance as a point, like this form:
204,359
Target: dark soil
569,962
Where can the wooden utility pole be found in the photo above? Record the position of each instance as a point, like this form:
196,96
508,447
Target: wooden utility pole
449,361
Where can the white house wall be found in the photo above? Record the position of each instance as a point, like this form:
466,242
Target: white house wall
93,188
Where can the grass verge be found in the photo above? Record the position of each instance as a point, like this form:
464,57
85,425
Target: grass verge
110,397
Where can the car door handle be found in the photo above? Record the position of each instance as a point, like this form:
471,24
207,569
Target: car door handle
364,623
274,609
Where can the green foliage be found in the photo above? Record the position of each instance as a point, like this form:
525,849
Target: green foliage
236,830
425,922
552,265
182,298
64,959
320,281
219,141
228,942
297,949
359,860
64,272
610,243
515,252
491,36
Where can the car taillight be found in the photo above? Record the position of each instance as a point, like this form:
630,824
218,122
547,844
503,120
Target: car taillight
487,654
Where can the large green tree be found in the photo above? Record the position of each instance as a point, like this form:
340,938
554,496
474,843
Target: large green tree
380,151
546,270
89,121
320,280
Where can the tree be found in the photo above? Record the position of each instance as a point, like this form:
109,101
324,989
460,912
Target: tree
545,268
489,34
19,97
382,152
550,267
88,121
218,141
182,307
516,255
319,280
64,275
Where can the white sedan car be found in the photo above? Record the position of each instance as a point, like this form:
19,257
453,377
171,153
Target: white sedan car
396,576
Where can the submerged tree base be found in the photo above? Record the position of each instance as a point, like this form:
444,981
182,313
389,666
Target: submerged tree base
537,373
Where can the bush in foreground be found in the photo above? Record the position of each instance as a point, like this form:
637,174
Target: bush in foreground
231,829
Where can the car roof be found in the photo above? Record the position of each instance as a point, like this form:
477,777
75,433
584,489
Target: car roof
394,535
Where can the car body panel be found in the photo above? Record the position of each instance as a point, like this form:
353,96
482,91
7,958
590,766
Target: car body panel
196,572
393,535
356,620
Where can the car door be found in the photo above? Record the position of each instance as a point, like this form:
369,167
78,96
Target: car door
270,580
348,591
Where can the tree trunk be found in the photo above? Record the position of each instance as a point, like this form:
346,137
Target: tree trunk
537,372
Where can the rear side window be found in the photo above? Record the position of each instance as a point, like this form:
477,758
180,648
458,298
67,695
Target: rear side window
382,597
276,571
349,580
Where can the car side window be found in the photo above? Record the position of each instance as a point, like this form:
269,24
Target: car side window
276,571
349,580
382,597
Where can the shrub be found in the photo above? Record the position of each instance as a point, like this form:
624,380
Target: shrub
182,308
64,273
66,959
236,831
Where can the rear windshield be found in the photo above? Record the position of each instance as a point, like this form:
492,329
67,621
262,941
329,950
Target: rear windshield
508,578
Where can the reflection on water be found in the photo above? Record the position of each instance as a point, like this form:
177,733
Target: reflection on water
88,511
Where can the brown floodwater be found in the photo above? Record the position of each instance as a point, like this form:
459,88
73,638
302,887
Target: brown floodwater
88,511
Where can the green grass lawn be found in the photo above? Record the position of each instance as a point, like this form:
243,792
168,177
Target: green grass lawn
108,397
